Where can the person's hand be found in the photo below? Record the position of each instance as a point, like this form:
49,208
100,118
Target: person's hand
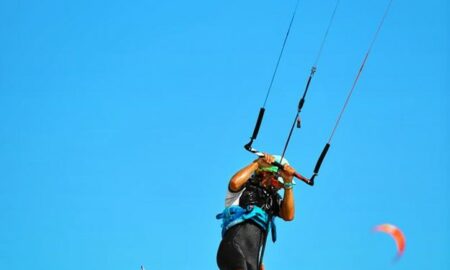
265,161
287,173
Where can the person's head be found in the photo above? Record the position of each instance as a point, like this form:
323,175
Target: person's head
269,175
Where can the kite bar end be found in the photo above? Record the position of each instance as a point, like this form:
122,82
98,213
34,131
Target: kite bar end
304,179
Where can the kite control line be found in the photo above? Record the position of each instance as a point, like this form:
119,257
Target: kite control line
263,248
344,107
263,108
297,119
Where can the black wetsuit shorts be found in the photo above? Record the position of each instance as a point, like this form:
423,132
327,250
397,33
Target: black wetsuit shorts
240,247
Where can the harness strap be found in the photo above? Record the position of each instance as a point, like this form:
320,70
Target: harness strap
234,215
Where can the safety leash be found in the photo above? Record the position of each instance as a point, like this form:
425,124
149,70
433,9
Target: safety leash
263,248
297,119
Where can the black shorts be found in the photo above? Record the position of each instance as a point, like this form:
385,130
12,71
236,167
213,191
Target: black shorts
240,247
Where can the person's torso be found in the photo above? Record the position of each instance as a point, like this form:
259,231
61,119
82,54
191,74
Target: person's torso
254,194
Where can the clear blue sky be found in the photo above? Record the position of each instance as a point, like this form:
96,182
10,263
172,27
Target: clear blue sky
121,123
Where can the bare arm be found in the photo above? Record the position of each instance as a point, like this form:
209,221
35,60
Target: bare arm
241,177
287,210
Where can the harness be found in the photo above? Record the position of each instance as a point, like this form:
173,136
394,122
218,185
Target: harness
234,215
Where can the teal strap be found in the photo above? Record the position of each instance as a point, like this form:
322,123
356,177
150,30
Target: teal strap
234,215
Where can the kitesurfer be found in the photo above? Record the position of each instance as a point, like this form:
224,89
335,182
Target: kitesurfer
251,204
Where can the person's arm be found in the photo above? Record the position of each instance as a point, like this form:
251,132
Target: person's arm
287,210
242,176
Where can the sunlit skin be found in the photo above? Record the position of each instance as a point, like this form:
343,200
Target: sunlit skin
238,180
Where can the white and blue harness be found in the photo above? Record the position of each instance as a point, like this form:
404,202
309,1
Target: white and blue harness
234,215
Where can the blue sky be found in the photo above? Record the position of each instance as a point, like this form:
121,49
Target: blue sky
122,122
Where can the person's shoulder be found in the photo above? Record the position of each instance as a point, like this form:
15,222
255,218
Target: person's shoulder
232,198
